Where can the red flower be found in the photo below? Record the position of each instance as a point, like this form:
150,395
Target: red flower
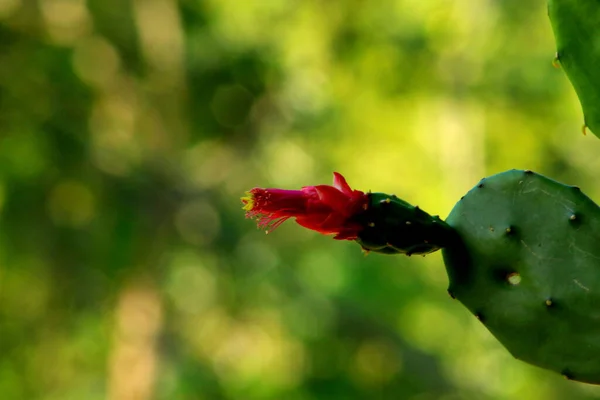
323,208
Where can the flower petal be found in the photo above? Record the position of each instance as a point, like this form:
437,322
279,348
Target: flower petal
313,222
324,208
332,197
340,183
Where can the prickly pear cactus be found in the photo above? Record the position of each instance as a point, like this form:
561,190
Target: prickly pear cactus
522,253
527,265
576,26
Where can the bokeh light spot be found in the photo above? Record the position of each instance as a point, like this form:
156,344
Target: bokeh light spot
252,252
310,318
209,163
287,163
259,352
191,287
25,288
66,20
376,362
198,223
112,124
8,7
24,154
96,61
71,204
231,105
323,271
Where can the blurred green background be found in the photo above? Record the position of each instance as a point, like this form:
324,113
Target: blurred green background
129,129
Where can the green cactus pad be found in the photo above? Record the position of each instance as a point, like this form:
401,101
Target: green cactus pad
393,226
528,266
576,26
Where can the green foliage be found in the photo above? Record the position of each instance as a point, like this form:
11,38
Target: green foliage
577,33
527,267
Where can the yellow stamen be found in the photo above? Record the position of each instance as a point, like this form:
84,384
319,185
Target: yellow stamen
248,202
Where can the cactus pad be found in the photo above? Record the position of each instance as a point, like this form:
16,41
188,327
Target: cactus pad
527,264
577,32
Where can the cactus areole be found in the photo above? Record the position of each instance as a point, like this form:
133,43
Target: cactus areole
521,253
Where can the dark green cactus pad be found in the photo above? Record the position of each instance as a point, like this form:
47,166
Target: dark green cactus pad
528,266
393,226
576,26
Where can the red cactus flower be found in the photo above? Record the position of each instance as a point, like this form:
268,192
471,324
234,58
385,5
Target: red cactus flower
323,208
